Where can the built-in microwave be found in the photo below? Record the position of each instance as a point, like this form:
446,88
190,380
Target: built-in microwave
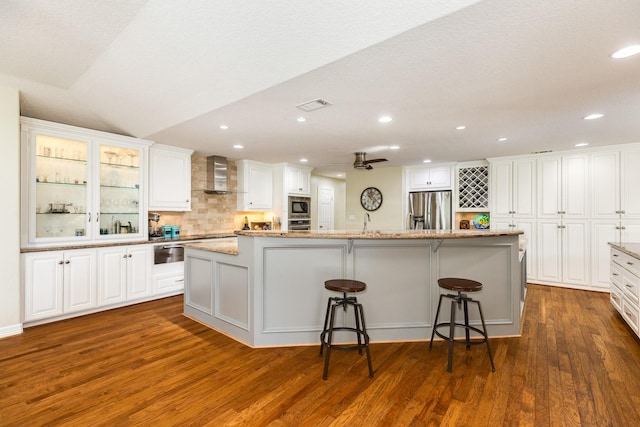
299,207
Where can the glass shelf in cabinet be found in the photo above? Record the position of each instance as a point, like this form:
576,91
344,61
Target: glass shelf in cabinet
137,187
72,184
66,159
118,166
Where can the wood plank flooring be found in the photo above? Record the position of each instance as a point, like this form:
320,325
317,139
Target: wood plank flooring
576,364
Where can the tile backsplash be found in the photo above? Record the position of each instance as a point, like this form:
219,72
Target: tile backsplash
210,213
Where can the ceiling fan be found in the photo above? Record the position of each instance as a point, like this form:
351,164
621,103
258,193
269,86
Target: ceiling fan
362,163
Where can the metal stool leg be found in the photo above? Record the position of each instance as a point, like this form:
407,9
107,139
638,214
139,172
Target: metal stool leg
358,329
466,323
324,328
433,331
329,340
358,308
452,332
486,336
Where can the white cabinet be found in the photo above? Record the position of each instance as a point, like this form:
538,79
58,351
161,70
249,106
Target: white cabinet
614,180
168,278
512,189
472,187
431,178
563,251
297,180
255,186
59,282
77,183
169,178
562,186
625,289
124,273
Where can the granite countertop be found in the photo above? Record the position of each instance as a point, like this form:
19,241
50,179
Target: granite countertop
155,240
224,246
381,234
632,249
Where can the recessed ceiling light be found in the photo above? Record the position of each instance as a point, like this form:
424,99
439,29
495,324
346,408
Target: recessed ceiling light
626,51
385,119
593,116
340,175
238,146
426,161
303,160
301,119
224,127
394,147
503,139
581,144
460,127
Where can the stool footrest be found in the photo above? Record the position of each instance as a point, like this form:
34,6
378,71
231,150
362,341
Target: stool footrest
479,340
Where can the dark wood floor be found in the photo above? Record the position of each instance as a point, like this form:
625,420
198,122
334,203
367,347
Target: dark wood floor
576,364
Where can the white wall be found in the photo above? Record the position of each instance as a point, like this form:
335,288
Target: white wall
389,181
10,305
339,188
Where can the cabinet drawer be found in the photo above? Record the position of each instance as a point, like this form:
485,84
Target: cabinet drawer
615,296
631,283
616,274
617,256
168,284
632,264
630,313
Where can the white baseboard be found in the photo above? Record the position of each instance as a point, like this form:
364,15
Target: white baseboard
7,331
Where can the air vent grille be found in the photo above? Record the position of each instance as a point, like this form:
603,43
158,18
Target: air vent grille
315,104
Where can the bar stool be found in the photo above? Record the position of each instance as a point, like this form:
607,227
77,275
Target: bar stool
460,286
326,337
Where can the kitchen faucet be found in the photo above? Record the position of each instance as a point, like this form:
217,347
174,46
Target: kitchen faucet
366,218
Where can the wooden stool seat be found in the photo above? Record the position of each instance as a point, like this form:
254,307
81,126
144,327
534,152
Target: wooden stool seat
459,285
345,285
360,328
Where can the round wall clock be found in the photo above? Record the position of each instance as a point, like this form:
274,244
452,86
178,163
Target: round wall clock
371,198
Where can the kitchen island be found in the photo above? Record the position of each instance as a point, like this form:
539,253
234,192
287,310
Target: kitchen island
269,290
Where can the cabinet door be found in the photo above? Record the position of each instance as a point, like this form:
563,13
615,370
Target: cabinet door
630,231
440,177
501,188
630,199
57,190
298,180
602,232
575,176
501,223
575,253
43,285
139,268
529,228
120,192
549,250
524,196
170,180
255,185
549,187
79,280
605,185
112,275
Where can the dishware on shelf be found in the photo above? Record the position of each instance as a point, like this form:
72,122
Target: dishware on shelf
481,221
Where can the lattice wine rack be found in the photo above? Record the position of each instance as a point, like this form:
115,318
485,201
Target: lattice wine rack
473,187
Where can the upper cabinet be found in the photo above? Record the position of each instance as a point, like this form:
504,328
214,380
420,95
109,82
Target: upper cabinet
297,180
562,186
169,178
512,189
80,185
614,178
255,186
429,178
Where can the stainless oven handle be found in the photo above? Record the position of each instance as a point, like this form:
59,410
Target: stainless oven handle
173,246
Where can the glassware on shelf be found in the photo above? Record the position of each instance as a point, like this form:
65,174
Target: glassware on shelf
110,155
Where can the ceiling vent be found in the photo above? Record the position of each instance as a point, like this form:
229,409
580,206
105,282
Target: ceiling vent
316,104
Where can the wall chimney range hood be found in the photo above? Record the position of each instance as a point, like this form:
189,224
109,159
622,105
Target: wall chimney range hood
216,175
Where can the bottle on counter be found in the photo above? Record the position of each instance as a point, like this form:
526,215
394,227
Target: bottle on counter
245,224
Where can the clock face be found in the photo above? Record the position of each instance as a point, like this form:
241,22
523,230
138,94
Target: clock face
371,199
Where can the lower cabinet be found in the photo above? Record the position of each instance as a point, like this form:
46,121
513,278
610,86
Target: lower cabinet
625,287
124,273
563,252
59,282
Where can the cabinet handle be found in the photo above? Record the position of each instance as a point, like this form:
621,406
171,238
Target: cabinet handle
618,228
179,280
623,228
67,262
60,262
130,255
89,216
98,217
187,200
124,256
622,212
616,255
614,274
629,263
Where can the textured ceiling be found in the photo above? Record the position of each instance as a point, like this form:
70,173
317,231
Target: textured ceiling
160,70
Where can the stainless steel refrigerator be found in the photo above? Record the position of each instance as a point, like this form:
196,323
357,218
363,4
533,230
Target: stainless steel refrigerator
430,210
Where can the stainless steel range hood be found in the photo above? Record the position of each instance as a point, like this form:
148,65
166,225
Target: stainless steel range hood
216,175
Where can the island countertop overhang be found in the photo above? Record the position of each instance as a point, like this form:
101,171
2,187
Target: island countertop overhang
381,234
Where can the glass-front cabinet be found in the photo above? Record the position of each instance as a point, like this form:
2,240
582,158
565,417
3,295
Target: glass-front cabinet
81,185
